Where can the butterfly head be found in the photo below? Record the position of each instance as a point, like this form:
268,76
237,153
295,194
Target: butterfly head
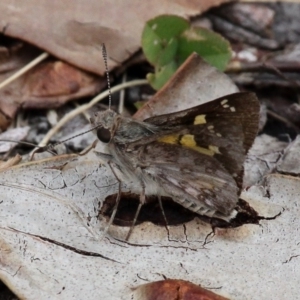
104,123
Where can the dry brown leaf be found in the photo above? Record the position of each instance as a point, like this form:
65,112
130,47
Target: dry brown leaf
246,23
296,1
194,83
51,245
290,160
12,58
50,84
15,56
74,31
171,289
262,158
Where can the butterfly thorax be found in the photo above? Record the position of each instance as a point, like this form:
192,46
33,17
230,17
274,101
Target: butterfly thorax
121,130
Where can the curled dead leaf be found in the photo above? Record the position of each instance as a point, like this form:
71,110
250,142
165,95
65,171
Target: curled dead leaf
51,84
194,83
172,289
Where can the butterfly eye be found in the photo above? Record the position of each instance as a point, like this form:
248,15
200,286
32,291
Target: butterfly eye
103,135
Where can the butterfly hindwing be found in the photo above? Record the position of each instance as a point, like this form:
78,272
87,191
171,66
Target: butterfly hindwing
195,180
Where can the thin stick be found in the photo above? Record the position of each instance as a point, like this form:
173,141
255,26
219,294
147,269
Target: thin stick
85,107
122,96
284,120
23,70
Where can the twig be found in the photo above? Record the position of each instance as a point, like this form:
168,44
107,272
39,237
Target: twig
23,70
284,120
84,107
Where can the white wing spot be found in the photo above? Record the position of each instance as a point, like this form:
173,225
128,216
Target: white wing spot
224,101
225,105
232,109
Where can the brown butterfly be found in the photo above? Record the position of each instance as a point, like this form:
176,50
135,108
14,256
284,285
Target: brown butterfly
194,156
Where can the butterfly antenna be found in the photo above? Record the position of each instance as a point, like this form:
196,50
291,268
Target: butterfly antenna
74,136
50,148
53,152
104,54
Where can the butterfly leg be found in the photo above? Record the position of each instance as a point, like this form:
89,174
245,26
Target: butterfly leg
93,146
162,211
47,148
117,200
142,202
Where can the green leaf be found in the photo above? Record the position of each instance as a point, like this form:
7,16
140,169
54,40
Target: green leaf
168,40
161,76
168,53
159,38
211,46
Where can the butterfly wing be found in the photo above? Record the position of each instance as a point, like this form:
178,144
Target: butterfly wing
196,181
224,129
195,156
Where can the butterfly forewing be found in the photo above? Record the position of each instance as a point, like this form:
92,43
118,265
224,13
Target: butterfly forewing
224,128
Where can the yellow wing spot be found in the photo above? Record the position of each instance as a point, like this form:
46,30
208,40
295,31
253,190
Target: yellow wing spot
169,139
224,101
214,149
188,140
232,109
201,119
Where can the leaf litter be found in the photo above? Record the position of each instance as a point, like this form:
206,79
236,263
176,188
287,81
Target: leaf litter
57,212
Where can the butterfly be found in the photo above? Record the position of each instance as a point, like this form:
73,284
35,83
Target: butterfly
195,156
